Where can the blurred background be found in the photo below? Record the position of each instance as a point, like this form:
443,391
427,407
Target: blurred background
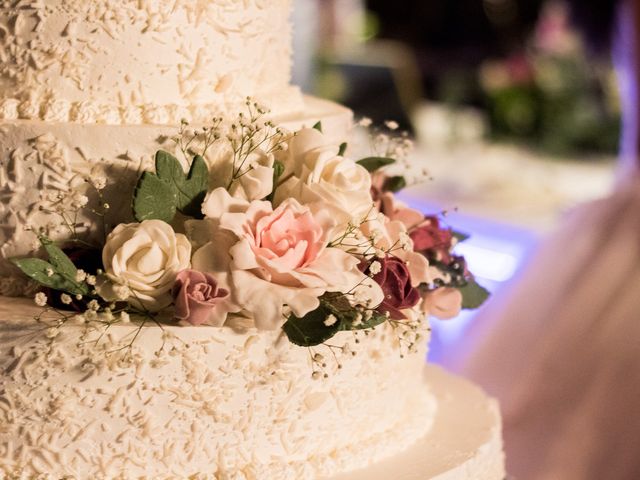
513,118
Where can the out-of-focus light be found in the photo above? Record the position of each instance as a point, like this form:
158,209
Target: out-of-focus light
491,264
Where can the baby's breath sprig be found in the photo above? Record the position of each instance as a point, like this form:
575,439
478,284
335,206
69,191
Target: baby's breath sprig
67,206
249,133
352,240
198,142
389,142
327,358
409,334
368,247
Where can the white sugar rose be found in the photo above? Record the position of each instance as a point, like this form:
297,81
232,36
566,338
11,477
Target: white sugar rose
320,175
256,177
145,258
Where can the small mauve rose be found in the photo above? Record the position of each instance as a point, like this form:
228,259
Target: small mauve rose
195,295
443,303
432,240
394,279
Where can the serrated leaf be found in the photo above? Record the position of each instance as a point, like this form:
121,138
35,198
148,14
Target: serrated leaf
473,295
61,263
190,188
375,163
318,126
168,166
395,184
342,149
154,199
310,330
45,274
459,236
192,192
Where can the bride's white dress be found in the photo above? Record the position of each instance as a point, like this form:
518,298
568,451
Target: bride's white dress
561,349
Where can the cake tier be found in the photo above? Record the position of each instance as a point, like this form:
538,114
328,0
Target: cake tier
464,443
148,61
86,401
43,164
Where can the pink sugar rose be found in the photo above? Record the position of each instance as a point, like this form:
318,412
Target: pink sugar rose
195,295
443,303
277,258
432,240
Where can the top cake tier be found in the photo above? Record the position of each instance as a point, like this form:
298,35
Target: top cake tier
143,61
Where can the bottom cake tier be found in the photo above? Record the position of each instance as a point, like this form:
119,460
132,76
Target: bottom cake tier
93,400
464,442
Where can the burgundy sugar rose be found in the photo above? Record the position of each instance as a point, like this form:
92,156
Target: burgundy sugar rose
393,276
432,240
195,295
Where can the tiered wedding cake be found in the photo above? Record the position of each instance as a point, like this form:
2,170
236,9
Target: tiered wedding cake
90,91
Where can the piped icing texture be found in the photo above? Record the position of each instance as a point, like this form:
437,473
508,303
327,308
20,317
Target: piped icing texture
150,61
205,403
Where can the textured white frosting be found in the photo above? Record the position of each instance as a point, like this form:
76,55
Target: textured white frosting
143,61
464,443
205,403
39,160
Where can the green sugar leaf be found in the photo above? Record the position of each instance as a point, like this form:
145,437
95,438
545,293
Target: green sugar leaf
154,199
343,149
190,188
61,263
310,330
473,295
318,126
278,171
375,163
45,274
193,188
348,321
167,166
395,184
460,237
348,317
160,195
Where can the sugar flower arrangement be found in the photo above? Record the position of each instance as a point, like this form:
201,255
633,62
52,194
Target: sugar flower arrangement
274,230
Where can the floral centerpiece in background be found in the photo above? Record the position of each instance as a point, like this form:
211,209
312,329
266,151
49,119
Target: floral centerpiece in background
551,95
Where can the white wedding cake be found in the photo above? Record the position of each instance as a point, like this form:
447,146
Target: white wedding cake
89,92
